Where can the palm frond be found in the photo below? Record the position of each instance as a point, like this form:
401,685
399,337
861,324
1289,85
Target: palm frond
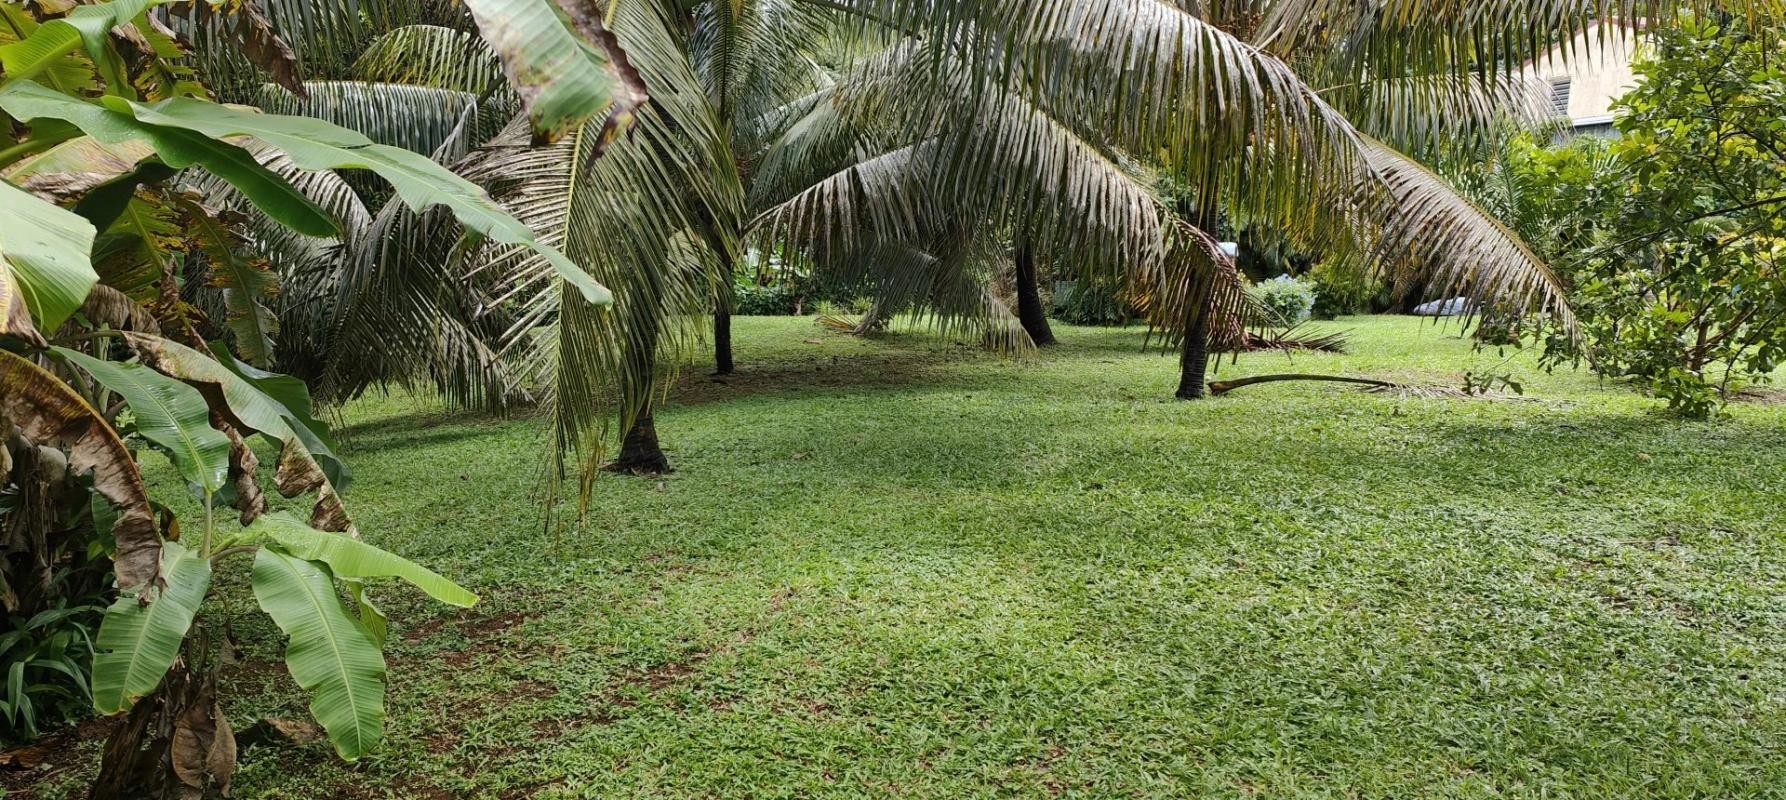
432,56
1423,232
750,58
1424,113
1359,40
1154,79
416,118
401,313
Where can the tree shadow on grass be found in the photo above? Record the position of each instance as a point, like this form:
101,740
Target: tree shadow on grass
891,369
427,426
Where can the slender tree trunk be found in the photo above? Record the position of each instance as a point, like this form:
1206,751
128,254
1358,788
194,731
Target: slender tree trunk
1193,358
1029,300
722,337
722,306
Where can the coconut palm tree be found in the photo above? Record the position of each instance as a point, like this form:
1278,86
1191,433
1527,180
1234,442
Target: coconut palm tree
753,59
909,159
401,297
1223,97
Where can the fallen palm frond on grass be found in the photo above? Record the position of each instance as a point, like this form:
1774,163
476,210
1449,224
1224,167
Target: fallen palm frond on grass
1289,339
1425,391
851,326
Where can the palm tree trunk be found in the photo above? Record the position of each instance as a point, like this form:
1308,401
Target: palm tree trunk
1193,358
639,450
722,306
722,337
1030,312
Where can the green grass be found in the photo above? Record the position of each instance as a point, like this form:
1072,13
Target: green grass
903,568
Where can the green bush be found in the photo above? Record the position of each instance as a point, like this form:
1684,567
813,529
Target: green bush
764,301
48,659
1341,288
1290,300
1094,305
1670,236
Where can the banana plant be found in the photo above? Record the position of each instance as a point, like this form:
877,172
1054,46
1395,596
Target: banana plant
107,128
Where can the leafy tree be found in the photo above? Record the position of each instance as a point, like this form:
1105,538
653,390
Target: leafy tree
1670,235
1689,286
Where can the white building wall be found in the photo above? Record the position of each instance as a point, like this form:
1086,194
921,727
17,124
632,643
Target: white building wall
1597,67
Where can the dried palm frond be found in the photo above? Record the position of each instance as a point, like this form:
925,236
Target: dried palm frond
1426,233
1289,339
1404,390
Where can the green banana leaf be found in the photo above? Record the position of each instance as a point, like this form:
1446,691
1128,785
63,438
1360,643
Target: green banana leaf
330,654
250,406
351,558
43,261
178,148
293,399
169,413
137,643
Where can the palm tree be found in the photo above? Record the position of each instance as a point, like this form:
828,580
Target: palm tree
940,131
401,297
748,56
382,302
1224,97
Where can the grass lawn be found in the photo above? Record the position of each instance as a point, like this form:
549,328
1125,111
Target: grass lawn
904,568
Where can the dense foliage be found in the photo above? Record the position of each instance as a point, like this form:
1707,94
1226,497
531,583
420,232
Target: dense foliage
1691,279
1287,300
1671,235
1342,286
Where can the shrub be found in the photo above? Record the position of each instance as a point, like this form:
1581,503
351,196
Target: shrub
1093,305
1289,299
49,658
1341,288
1676,273
765,301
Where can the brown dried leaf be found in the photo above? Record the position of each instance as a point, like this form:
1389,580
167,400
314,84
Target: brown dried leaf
280,730
50,413
298,473
630,94
222,758
242,476
127,34
15,318
113,309
72,168
247,28
203,750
